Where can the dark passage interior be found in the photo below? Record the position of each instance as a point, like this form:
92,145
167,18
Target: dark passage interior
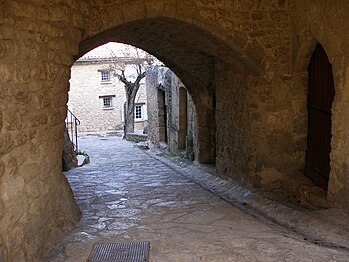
320,98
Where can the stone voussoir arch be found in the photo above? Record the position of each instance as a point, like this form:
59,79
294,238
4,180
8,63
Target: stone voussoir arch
234,46
189,47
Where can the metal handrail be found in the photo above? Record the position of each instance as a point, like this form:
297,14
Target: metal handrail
73,128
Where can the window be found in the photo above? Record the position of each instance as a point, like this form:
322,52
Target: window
105,76
107,101
138,112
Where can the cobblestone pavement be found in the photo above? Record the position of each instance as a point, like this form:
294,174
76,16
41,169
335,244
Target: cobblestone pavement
126,195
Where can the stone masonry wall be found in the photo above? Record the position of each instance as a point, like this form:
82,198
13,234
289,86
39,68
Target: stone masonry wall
325,22
192,133
233,131
84,99
172,88
251,35
172,111
37,46
152,98
171,84
254,127
267,42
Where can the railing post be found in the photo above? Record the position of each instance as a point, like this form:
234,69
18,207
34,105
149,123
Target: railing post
71,126
76,134
74,123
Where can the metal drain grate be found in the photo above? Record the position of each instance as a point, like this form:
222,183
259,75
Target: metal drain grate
120,252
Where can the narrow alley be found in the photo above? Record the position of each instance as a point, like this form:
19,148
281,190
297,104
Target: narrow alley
127,195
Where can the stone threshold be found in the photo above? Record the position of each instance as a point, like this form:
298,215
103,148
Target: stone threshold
327,227
136,137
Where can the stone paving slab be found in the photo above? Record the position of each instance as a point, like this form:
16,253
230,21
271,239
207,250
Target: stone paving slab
127,195
326,227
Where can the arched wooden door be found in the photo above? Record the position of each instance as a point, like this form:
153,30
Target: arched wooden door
320,98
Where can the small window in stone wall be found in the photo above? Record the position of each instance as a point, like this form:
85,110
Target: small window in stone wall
108,101
138,112
105,76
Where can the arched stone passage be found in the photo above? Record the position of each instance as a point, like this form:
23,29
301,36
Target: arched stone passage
183,46
43,39
260,124
191,53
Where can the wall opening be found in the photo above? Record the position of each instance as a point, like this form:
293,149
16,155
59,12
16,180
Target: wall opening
183,118
98,93
191,52
162,114
320,97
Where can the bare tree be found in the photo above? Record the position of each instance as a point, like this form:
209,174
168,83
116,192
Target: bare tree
131,89
137,60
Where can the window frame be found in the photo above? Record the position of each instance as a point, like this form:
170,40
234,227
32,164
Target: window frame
140,106
107,101
103,78
111,99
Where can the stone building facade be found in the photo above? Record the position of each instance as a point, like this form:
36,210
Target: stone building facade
244,63
97,97
171,113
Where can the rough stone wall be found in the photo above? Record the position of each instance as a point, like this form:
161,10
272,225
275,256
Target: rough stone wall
325,22
269,149
84,98
38,42
170,88
254,127
252,35
171,85
192,138
162,116
254,111
152,98
270,41
233,131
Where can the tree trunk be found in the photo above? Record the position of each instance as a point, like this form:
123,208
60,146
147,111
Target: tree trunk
129,117
131,90
131,93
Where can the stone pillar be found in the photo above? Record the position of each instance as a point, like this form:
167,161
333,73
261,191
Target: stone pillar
36,202
206,128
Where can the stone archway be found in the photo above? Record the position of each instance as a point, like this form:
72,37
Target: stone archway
191,53
207,44
236,59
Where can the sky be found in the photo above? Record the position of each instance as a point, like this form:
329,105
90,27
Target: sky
112,49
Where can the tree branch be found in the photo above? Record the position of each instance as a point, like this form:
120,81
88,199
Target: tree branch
122,77
140,77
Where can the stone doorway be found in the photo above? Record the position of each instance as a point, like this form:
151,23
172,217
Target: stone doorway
183,118
162,117
320,98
